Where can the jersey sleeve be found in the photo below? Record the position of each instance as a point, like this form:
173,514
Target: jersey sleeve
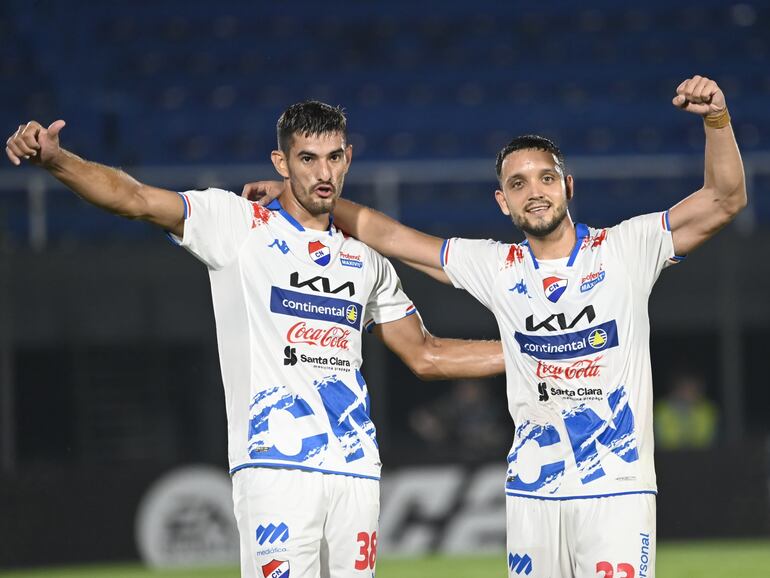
646,247
216,225
472,265
387,302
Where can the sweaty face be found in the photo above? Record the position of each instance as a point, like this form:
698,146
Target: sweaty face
535,191
316,166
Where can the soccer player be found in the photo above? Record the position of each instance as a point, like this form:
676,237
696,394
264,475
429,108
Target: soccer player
571,304
292,295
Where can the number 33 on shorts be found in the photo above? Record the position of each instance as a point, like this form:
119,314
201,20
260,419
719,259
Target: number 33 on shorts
367,552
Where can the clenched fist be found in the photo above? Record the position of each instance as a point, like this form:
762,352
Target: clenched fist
34,143
700,95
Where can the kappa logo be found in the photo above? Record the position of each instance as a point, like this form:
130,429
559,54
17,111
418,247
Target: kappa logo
319,253
520,564
276,569
272,533
520,288
282,246
554,288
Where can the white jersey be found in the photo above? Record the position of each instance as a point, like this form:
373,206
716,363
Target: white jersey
290,307
575,335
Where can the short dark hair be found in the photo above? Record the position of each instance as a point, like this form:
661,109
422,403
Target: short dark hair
528,142
309,118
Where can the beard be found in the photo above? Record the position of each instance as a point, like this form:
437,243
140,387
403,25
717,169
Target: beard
541,228
314,204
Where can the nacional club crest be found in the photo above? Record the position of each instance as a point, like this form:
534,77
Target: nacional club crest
276,569
554,287
319,253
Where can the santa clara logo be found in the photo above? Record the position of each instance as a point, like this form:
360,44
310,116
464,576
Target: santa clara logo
319,253
554,288
276,569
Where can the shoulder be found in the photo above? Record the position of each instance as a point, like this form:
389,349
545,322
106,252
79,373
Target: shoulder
487,251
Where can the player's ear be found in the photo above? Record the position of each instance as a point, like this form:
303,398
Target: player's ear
502,202
569,187
279,162
349,154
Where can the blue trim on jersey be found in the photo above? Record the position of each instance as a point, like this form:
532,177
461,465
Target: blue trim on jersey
369,326
441,253
668,224
303,468
581,231
171,238
678,258
274,205
515,495
186,206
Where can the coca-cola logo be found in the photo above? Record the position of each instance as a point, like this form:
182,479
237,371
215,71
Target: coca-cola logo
335,337
580,369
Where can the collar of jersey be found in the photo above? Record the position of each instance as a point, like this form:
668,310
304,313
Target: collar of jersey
276,206
581,231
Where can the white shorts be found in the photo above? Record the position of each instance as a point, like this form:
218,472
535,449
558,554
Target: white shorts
610,537
299,524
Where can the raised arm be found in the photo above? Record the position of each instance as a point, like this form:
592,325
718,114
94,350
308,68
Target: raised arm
432,358
107,188
392,239
383,234
723,195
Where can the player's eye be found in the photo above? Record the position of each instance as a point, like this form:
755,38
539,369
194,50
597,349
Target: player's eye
548,179
306,159
335,157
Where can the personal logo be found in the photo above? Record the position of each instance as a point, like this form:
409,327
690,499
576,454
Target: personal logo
319,253
591,280
289,357
520,564
554,288
272,533
276,569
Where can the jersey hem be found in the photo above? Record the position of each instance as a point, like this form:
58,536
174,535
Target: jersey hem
303,468
533,497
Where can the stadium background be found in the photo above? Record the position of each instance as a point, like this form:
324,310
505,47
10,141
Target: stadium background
108,369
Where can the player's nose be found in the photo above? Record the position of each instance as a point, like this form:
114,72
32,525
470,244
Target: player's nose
324,171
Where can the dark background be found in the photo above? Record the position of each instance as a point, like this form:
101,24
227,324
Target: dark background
108,366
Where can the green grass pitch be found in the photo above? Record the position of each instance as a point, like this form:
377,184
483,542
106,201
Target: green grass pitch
709,559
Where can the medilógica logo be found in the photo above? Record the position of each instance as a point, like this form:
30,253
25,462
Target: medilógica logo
569,345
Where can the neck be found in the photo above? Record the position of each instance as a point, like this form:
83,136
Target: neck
556,245
302,215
